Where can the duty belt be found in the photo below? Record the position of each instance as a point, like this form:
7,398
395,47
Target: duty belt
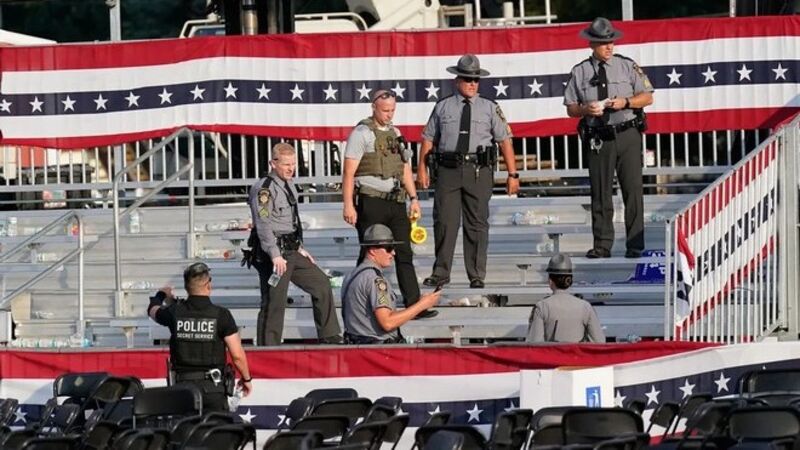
288,242
609,132
214,375
394,196
449,159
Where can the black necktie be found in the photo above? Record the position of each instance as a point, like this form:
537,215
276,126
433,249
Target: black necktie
602,87
298,226
462,145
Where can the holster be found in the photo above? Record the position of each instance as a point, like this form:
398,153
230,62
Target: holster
250,256
228,379
641,118
487,156
433,165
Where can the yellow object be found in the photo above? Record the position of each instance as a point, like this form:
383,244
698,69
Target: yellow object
418,234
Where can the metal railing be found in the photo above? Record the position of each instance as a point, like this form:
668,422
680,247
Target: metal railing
226,163
732,252
188,168
77,252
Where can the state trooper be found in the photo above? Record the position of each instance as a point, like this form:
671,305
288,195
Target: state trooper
607,91
464,128
199,334
369,305
562,317
376,180
277,253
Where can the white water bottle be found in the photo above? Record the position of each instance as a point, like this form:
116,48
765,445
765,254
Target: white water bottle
235,399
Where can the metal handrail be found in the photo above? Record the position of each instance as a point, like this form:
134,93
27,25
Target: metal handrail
79,251
355,18
141,200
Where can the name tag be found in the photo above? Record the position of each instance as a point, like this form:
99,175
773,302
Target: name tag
196,329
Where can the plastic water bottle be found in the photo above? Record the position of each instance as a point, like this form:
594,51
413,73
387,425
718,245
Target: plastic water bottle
137,285
632,338
12,226
274,279
217,227
76,340
134,222
235,399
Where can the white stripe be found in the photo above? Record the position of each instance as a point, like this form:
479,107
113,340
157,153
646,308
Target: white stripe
347,115
388,68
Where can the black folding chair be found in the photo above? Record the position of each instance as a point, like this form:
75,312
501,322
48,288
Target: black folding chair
392,402
329,426
438,419
14,439
229,436
297,409
369,434
78,386
8,406
637,405
473,439
778,426
53,443
352,408
787,380
708,420
547,435
550,415
395,426
318,395
166,405
294,440
688,407
100,435
194,439
445,440
44,414
181,429
502,435
593,425
663,416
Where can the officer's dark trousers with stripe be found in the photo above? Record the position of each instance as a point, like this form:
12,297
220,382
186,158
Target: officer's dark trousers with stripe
462,193
308,277
373,210
622,155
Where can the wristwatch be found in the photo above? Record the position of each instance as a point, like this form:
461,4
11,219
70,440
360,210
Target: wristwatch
411,198
627,103
514,175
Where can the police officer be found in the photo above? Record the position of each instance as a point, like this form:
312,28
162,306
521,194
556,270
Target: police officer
369,305
199,333
562,317
277,243
464,128
608,91
376,180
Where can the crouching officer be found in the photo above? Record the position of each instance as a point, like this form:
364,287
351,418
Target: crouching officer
369,305
277,253
199,333
562,317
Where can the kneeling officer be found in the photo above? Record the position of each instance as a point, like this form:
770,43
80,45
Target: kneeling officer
199,333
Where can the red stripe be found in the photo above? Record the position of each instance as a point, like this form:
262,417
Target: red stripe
397,43
733,282
658,123
348,362
740,179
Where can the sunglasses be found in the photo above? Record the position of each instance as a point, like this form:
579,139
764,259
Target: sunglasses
388,248
384,95
470,80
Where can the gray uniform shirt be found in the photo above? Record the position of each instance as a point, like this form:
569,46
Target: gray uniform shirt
488,124
362,140
363,292
625,79
562,317
272,213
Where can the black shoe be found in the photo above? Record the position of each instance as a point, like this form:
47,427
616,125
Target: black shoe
435,280
427,314
332,340
633,253
477,283
598,253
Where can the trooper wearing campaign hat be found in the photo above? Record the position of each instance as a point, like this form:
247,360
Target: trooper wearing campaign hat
369,304
562,317
458,145
608,92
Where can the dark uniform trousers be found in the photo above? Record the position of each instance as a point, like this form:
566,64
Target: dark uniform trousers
373,210
623,155
461,193
308,277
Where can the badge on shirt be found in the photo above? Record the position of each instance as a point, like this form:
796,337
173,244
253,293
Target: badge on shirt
645,80
263,199
384,299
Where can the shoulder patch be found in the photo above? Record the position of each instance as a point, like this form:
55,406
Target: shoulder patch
384,298
500,114
263,200
645,79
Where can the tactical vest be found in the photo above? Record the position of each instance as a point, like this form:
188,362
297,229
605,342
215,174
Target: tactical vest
386,161
196,342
